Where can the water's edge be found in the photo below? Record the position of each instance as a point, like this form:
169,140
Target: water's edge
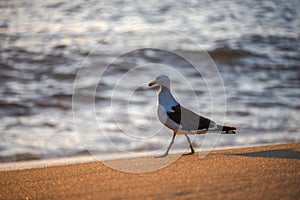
62,161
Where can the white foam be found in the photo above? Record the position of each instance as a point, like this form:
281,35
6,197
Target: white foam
32,164
10,166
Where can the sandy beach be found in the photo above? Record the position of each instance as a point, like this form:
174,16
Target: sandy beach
265,172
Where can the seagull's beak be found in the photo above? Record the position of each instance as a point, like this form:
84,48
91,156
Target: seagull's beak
151,83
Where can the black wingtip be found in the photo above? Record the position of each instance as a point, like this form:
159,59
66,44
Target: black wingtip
229,129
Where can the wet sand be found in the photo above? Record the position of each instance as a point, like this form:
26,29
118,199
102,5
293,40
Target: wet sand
267,172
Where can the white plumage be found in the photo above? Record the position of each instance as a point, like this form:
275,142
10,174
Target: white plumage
180,119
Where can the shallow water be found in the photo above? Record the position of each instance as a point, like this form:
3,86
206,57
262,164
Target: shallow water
45,44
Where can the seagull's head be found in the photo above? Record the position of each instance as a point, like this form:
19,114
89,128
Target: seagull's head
161,80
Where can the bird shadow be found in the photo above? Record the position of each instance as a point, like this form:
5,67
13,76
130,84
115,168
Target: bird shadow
279,153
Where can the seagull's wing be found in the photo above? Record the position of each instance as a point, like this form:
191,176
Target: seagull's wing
165,119
189,120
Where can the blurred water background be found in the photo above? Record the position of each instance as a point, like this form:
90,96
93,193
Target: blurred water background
255,45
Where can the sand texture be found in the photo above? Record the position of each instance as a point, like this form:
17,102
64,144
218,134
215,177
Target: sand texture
268,172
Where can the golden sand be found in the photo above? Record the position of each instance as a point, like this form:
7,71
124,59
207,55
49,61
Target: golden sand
268,172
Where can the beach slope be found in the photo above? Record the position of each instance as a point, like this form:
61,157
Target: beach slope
265,172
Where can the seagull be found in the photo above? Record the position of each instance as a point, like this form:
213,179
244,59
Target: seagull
180,119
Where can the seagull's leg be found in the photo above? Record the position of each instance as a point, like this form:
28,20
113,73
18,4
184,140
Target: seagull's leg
191,146
167,152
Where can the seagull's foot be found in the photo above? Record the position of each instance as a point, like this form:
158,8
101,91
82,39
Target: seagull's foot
162,156
187,154
191,153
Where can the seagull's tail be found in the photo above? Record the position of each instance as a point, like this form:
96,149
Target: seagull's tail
229,129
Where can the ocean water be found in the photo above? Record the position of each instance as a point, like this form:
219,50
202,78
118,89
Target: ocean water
74,75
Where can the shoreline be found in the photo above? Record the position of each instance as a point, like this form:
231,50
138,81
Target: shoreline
264,172
61,161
